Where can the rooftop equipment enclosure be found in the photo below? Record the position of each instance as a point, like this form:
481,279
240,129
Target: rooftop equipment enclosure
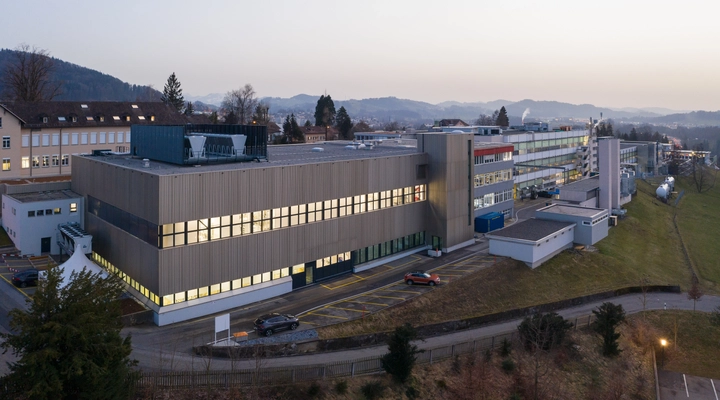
178,144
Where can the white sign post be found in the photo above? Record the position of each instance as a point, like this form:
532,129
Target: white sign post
222,323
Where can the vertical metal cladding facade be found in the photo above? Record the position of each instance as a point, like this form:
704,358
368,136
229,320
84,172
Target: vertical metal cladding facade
197,193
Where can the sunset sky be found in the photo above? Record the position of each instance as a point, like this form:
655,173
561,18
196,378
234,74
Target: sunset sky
630,53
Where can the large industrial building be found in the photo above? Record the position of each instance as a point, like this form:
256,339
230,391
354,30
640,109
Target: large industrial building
193,231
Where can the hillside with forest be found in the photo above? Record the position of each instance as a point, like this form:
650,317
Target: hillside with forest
84,84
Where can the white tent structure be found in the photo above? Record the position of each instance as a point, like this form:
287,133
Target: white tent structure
77,262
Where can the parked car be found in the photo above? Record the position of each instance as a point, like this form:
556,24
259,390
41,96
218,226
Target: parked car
271,323
26,278
412,278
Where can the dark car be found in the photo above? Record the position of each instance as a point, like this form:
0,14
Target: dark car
271,323
421,277
25,278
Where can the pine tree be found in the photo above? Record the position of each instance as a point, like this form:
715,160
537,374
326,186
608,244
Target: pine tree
325,111
402,354
189,108
172,94
609,316
502,118
68,341
344,124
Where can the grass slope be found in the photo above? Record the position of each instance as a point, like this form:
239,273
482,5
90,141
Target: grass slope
696,350
699,225
644,244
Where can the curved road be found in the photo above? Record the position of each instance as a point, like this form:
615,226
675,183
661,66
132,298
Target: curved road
631,303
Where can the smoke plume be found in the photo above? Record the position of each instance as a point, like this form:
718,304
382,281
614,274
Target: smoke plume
525,114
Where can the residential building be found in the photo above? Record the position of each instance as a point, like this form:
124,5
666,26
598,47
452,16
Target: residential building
38,139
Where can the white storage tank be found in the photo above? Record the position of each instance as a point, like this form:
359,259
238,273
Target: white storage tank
663,191
670,181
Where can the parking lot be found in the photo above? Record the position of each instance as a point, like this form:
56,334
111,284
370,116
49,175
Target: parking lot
13,264
676,386
358,306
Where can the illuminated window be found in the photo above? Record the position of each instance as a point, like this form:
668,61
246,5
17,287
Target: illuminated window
276,274
284,272
215,289
25,162
246,281
168,299
179,297
6,164
225,286
257,279
203,291
266,277
73,207
192,294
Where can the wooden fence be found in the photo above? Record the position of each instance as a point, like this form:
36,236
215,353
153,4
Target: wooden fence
308,373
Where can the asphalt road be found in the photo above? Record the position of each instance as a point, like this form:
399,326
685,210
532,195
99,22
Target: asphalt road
677,386
167,359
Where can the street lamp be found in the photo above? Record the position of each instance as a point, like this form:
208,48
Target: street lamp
663,343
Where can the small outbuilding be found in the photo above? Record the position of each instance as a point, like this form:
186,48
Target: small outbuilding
592,223
489,222
532,241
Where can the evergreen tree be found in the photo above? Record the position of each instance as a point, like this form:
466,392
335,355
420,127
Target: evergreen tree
189,108
214,117
502,118
172,94
68,341
325,111
608,317
543,331
344,124
291,130
308,123
401,356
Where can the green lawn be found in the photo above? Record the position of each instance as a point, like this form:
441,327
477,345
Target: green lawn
699,224
696,349
644,244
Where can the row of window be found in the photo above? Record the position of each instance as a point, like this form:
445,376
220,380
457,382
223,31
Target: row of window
43,161
70,139
196,231
359,256
492,158
98,118
493,177
557,179
492,198
595,221
50,211
552,144
547,162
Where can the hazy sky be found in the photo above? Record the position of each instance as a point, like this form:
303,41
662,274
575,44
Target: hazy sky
628,53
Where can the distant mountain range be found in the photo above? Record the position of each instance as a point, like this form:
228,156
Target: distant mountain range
80,83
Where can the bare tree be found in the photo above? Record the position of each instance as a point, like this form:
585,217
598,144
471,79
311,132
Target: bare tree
695,293
702,177
241,103
644,292
29,75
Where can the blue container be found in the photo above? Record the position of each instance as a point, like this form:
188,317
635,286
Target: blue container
489,222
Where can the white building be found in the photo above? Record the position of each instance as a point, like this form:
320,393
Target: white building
31,215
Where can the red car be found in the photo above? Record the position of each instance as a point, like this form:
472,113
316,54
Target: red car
412,278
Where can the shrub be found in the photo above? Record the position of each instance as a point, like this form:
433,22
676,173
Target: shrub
440,383
341,387
315,390
543,331
508,365
401,356
412,392
373,390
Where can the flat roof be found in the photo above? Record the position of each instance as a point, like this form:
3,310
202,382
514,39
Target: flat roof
569,209
583,185
278,156
531,229
33,197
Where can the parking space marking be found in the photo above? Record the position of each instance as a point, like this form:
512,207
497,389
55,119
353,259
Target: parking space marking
367,302
452,275
714,390
342,285
325,315
347,309
400,291
686,388
385,297
18,289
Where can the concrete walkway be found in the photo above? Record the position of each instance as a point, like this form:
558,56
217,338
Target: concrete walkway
631,303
